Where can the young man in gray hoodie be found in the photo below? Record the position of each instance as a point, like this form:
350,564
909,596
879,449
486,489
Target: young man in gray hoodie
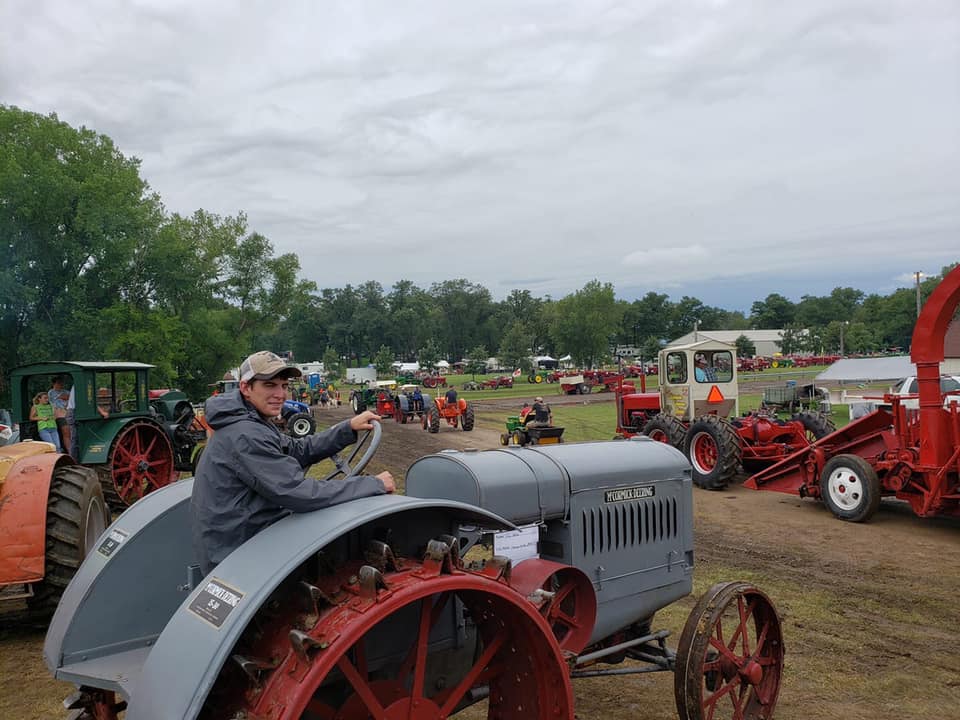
250,474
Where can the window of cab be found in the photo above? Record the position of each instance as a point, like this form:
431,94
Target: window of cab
718,366
676,368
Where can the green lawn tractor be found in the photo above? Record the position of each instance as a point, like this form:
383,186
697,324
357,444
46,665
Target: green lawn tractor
521,433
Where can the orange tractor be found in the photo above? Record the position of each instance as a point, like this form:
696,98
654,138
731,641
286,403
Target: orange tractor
454,411
52,511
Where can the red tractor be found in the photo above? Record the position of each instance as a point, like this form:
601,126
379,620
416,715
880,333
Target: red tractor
502,381
454,411
912,454
433,381
697,412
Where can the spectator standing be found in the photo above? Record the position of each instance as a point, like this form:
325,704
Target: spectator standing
59,396
42,413
74,446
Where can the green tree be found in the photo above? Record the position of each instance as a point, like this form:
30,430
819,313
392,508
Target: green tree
477,361
331,364
585,321
774,312
429,355
72,212
792,340
650,348
515,348
383,361
745,347
463,310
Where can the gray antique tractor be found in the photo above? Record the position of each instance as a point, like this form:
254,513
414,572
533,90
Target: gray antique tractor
410,606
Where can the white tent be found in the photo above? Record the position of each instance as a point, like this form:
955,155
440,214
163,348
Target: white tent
442,364
854,370
408,367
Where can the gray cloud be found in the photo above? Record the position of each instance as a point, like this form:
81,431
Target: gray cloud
709,148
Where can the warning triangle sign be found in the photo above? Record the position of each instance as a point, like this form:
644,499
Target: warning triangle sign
715,395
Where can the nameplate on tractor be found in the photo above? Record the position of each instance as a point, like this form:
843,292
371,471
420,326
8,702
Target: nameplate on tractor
637,492
215,602
112,541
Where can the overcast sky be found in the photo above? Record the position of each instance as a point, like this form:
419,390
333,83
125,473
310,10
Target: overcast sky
724,150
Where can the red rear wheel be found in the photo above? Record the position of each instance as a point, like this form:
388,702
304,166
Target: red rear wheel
140,461
381,653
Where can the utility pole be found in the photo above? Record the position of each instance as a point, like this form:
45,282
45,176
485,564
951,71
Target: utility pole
917,276
842,326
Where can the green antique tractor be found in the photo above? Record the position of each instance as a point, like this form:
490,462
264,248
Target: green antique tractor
136,439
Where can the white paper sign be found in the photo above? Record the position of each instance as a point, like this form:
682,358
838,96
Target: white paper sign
520,544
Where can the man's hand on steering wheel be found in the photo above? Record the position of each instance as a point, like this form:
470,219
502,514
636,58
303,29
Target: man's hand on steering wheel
363,421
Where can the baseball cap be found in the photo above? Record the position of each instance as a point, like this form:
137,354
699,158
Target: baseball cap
265,365
539,399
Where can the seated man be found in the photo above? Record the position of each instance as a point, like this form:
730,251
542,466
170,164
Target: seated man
251,474
451,396
542,414
417,399
700,369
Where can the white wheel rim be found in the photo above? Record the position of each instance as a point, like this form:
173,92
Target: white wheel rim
95,525
694,442
845,488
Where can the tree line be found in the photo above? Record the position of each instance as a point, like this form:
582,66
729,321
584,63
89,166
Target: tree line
97,269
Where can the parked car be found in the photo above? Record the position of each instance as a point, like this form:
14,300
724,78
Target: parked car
949,386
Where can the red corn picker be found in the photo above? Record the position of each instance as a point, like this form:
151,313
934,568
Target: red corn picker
910,454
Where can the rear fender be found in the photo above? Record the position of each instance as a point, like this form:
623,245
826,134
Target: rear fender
96,436
23,516
190,652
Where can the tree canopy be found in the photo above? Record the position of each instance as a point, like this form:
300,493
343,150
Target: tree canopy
97,269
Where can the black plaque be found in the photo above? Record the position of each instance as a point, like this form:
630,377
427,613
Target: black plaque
111,541
215,601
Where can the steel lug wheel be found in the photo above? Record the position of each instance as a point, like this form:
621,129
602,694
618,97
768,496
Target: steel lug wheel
730,656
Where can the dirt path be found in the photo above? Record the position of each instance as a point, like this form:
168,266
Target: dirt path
870,612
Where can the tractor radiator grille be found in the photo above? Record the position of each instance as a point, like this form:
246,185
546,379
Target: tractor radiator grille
628,525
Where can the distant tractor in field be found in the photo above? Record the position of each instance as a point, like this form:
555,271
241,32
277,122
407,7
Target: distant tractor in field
455,411
697,411
410,404
296,419
377,396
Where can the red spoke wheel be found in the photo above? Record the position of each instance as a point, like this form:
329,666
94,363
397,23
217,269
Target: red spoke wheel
565,597
396,653
730,656
140,461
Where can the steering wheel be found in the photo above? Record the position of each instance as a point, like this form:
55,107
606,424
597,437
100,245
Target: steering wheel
347,467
